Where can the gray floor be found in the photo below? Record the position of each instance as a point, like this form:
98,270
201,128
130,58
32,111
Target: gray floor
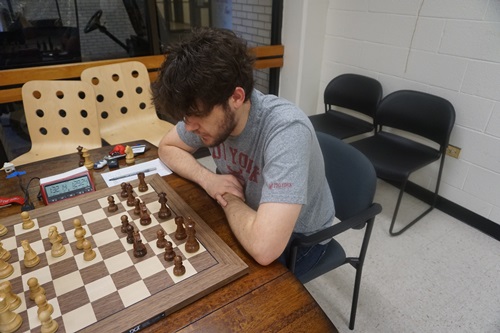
439,276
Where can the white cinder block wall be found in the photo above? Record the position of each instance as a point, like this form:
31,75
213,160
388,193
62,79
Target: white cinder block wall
450,48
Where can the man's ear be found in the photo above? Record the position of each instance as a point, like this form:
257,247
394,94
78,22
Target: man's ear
238,97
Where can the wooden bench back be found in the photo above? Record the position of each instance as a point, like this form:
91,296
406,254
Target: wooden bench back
11,80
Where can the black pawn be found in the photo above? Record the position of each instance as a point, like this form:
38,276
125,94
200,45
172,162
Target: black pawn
124,192
130,234
130,196
180,232
169,252
125,223
164,212
161,241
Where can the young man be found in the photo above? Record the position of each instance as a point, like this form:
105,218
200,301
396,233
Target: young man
272,180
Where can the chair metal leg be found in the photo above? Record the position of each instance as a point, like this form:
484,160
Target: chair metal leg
433,204
358,265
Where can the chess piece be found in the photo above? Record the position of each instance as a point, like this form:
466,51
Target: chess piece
81,162
169,252
137,208
161,241
87,161
28,223
143,187
79,234
139,248
31,259
130,234
35,288
6,269
58,248
164,212
12,299
4,254
180,232
192,244
145,217
43,305
49,325
125,223
57,236
130,196
179,268
3,230
112,207
123,193
89,254
129,156
9,320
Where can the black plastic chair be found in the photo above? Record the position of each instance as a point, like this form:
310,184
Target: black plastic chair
349,91
352,180
396,157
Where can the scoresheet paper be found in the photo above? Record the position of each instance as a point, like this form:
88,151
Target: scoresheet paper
129,173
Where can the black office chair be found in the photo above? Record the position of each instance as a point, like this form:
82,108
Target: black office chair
349,91
352,181
396,157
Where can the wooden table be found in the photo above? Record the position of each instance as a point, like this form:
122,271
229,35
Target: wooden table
268,299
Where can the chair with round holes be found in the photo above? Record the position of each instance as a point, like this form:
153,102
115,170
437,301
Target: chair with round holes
124,105
60,115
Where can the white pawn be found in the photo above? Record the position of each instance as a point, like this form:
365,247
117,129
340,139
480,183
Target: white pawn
27,221
88,254
49,325
43,305
35,288
79,234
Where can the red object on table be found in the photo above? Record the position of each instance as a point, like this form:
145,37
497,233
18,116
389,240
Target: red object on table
15,199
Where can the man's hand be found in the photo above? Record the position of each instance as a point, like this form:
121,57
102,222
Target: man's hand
216,185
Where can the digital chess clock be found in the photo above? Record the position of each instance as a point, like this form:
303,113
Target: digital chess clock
66,185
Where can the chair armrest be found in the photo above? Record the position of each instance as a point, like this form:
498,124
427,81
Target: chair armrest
338,228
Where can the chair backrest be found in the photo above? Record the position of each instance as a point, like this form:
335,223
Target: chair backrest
123,95
355,92
420,113
351,176
60,115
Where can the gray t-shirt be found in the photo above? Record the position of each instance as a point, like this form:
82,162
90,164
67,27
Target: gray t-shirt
278,158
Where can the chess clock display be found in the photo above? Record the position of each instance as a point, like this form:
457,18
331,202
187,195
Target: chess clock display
66,185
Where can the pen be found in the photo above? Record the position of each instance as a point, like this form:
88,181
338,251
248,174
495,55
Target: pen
132,174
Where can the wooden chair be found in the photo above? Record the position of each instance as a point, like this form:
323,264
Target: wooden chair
60,115
125,110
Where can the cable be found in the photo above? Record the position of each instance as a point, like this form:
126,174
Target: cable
28,205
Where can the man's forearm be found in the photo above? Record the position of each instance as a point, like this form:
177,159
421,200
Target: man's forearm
184,164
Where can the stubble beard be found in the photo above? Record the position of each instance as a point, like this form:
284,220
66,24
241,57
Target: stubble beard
226,128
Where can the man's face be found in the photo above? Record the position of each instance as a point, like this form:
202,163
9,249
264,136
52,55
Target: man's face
214,128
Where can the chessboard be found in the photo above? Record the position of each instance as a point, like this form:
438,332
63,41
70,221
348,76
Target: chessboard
115,291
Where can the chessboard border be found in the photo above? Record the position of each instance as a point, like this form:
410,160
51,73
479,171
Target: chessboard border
228,267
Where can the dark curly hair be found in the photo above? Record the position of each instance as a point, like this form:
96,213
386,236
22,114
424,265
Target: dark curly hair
202,72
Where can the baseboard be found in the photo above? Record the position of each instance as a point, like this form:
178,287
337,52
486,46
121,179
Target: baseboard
449,207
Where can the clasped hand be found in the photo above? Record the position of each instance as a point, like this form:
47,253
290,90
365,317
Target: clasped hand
217,185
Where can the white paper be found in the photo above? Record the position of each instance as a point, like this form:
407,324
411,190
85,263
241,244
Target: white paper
63,175
129,173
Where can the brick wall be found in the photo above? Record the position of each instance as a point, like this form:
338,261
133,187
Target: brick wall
252,21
